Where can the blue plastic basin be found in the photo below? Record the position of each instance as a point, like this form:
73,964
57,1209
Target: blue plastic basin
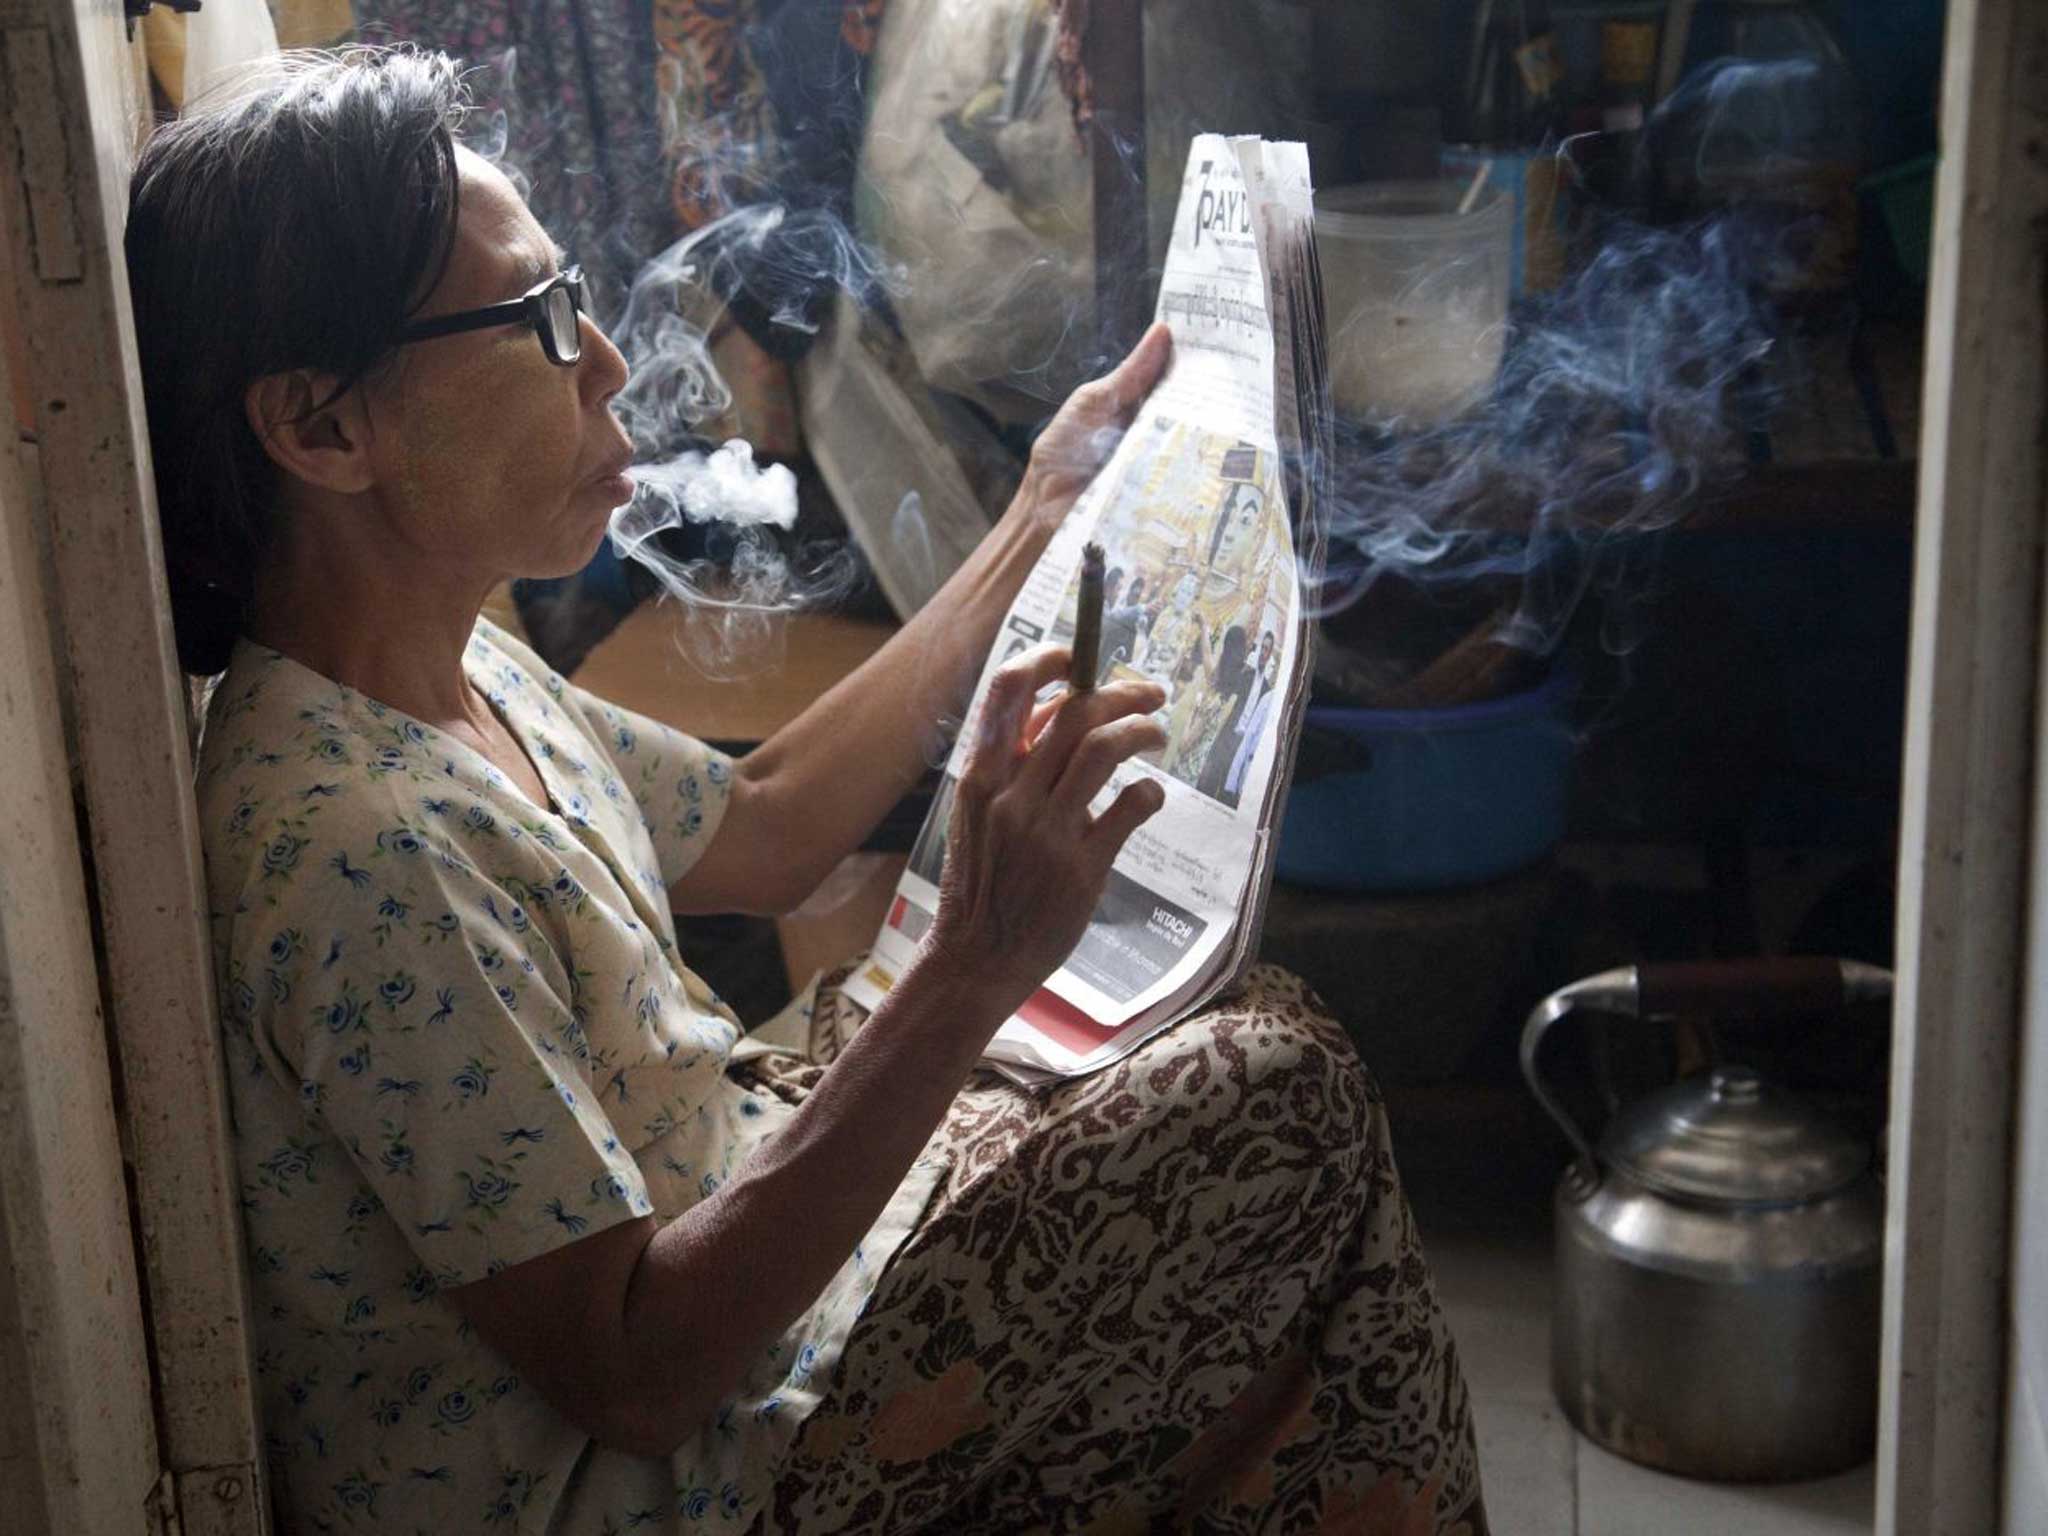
1429,798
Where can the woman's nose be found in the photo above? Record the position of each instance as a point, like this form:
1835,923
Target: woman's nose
603,370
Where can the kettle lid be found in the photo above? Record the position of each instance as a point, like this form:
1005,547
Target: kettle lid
1732,1138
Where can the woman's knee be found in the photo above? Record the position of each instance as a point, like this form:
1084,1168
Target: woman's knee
1271,1057
1275,1129
1261,1081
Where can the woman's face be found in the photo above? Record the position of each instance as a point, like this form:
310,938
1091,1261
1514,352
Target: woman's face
486,452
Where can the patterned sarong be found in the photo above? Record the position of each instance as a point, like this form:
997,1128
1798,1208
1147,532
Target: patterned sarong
1183,1294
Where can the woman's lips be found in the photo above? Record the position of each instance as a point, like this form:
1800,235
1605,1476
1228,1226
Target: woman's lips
615,480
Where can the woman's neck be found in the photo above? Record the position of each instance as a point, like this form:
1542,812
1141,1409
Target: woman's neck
390,625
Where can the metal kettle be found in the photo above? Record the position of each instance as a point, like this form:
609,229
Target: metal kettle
1720,1257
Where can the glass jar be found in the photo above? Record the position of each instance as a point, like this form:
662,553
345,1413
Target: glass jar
1416,297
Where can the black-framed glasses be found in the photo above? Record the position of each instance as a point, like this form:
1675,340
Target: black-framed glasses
551,308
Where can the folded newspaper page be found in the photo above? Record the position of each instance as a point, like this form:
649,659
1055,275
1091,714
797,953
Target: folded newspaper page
1209,515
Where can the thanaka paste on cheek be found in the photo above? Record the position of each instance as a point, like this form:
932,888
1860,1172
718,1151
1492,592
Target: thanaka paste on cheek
470,451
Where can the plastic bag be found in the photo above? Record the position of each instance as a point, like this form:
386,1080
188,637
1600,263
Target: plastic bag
975,178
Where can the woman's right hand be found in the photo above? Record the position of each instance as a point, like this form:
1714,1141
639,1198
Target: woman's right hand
1026,862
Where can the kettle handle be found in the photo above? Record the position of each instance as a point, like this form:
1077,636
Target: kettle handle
1764,987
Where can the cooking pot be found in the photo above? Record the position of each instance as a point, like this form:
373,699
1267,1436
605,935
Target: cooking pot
1720,1256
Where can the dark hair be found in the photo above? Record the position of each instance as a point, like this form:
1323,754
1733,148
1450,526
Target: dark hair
1232,660
295,223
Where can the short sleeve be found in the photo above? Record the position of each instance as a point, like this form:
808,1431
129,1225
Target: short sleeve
680,785
429,1029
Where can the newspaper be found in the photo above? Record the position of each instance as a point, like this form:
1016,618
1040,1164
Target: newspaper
1210,513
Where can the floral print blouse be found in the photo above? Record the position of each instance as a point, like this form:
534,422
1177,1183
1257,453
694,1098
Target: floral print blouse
458,1036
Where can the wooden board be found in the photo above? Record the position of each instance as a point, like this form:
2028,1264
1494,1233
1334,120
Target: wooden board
645,665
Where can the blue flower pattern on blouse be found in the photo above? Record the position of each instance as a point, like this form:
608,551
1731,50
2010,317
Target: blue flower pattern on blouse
459,1036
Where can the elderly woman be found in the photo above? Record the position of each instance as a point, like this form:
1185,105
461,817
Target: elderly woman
539,1238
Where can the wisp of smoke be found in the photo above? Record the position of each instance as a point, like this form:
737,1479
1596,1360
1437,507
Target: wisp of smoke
1758,116
772,262
1621,396
487,125
786,263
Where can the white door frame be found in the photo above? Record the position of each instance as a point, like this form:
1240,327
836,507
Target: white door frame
1969,771
72,108
77,1447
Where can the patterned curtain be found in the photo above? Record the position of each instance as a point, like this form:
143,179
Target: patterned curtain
574,80
761,101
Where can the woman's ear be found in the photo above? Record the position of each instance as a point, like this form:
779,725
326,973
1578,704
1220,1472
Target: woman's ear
324,444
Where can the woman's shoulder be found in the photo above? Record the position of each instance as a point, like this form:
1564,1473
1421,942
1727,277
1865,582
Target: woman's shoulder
266,720
297,770
277,725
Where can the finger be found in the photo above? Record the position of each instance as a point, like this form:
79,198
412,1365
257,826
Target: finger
1107,404
1106,749
1041,716
1134,377
999,735
1081,713
1131,809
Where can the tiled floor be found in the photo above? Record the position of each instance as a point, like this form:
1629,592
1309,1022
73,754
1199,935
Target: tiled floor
1542,1478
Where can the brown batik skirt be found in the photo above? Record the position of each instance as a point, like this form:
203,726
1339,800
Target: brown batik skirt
1183,1294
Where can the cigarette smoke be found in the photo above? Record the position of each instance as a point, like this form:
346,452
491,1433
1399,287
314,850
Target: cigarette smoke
1643,382
1621,397
746,580
723,486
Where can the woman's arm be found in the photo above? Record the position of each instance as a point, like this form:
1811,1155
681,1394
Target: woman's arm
637,1333
805,798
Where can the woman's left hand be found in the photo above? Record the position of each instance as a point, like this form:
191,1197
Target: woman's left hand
1079,440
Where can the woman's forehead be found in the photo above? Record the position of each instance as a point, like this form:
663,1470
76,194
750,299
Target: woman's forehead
500,249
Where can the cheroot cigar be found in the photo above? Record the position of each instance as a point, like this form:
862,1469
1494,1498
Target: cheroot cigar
1087,620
